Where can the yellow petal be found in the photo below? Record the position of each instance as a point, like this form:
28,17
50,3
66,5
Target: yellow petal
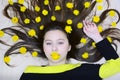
45,12
1,33
22,8
83,40
20,1
10,2
32,32
15,38
85,55
87,4
76,12
100,29
37,8
93,44
27,21
99,1
57,8
34,54
14,20
38,19
46,2
68,29
109,39
23,50
53,18
114,24
112,13
69,5
96,19
79,25
69,21
99,7
7,59
41,27
55,55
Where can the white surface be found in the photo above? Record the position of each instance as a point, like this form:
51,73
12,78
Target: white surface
9,73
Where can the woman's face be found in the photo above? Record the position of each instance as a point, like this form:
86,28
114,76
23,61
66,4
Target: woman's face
56,45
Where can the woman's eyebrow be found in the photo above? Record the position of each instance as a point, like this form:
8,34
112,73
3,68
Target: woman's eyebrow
47,40
61,39
51,40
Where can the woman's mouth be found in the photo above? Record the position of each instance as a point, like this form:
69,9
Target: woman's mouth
55,55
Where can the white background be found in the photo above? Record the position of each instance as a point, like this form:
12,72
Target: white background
13,73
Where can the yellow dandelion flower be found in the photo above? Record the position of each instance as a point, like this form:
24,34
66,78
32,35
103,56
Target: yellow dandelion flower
109,39
112,13
96,19
14,20
37,8
45,12
38,19
87,4
93,44
114,24
69,5
76,12
22,8
10,2
35,54
6,59
57,8
15,38
85,55
69,21
55,55
83,40
27,21
32,32
53,18
99,7
100,29
68,29
41,27
46,2
20,1
99,1
23,50
79,25
1,33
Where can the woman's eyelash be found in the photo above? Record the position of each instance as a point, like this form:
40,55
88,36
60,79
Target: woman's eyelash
48,43
60,42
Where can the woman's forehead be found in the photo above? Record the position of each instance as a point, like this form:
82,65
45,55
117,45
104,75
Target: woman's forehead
55,34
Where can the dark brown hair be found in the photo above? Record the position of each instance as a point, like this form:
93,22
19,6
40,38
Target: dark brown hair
35,44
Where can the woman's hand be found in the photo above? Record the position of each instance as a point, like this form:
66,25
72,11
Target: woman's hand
91,30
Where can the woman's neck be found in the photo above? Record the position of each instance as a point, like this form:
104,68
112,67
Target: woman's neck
51,63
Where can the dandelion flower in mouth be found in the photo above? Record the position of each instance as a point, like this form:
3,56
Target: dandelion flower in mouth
55,55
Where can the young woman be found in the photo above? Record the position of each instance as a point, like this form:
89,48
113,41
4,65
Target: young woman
57,45
36,19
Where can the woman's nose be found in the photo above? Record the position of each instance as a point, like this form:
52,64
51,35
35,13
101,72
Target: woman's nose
54,48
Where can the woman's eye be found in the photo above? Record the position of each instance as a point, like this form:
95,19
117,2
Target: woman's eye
60,42
48,43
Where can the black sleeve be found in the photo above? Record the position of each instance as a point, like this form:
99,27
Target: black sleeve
106,49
